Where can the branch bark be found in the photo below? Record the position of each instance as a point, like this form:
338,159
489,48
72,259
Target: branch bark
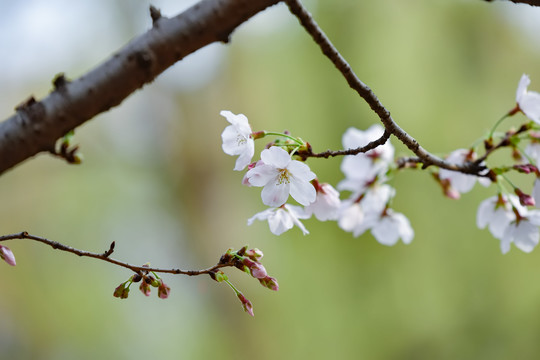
37,125
530,2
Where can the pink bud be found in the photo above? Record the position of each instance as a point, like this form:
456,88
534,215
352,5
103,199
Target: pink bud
254,254
270,283
145,288
163,290
121,291
257,269
7,255
524,199
246,304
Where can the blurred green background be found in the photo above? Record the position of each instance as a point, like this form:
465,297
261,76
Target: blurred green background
156,181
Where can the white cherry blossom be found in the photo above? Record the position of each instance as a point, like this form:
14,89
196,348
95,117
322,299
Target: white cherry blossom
528,101
392,226
360,213
282,218
523,232
327,203
496,213
280,176
460,182
361,169
237,139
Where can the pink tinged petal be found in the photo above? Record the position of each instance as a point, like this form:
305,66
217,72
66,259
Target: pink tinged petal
276,157
261,175
275,194
7,255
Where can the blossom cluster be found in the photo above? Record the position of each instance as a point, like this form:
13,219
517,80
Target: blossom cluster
508,215
281,177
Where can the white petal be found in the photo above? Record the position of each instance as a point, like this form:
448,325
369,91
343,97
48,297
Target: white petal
485,211
274,194
280,221
526,236
530,105
261,175
300,170
276,157
303,192
522,87
385,232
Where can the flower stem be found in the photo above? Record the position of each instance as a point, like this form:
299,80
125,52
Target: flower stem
497,124
285,136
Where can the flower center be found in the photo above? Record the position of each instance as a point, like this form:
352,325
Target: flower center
240,140
283,176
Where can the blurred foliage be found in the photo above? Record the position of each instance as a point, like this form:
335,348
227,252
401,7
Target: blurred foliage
156,181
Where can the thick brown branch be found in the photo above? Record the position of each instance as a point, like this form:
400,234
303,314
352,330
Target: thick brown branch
365,92
105,256
36,125
530,2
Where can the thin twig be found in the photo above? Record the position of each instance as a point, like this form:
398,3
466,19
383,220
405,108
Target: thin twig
105,256
328,49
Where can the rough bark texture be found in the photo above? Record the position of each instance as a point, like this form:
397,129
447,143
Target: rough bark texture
37,125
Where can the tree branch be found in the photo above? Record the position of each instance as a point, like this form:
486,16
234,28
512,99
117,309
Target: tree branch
530,2
328,49
105,256
37,125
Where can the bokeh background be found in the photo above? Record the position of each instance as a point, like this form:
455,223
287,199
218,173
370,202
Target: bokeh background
156,181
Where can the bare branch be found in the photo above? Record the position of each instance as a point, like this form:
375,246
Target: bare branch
105,256
37,125
365,92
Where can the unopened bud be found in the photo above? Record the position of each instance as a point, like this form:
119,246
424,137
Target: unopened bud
218,275
246,304
122,291
145,288
7,255
254,254
270,283
163,290
524,199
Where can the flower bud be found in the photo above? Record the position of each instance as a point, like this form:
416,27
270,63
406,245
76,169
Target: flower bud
254,254
145,288
524,199
122,291
270,283
7,255
246,304
163,290
218,275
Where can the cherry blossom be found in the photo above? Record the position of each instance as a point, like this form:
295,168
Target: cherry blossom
359,213
282,218
460,182
237,139
523,232
280,176
327,203
528,102
496,213
392,226
361,169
